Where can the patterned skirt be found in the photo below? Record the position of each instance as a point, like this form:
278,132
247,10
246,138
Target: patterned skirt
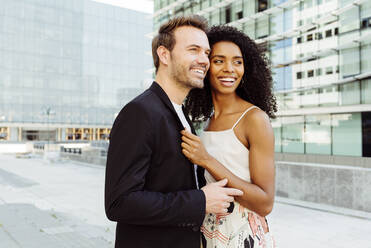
240,229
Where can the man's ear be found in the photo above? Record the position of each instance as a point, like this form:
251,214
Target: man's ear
163,54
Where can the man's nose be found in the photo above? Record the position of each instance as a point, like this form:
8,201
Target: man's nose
203,58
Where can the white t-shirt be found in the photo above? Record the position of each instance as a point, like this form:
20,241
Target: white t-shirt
179,111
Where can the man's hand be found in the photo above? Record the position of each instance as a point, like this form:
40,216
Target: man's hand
218,197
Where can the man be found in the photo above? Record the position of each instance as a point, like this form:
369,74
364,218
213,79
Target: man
151,188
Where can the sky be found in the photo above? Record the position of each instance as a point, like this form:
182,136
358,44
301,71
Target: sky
139,5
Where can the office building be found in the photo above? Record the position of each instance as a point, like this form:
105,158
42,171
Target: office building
320,52
67,67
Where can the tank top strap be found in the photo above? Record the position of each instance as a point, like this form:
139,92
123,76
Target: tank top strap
243,114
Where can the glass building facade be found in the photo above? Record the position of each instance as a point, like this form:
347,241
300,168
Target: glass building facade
67,67
320,51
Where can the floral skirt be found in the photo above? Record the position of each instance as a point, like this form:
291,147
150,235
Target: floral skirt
240,229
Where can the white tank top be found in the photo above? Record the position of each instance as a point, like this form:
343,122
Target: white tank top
225,147
242,225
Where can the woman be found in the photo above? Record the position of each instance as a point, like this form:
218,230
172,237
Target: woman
237,101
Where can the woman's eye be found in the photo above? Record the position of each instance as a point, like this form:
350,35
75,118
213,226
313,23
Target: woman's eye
218,61
238,62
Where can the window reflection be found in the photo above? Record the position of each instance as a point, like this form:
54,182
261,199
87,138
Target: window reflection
293,134
347,134
335,134
318,134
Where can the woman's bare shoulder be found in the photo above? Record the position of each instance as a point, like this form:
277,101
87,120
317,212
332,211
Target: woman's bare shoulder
256,120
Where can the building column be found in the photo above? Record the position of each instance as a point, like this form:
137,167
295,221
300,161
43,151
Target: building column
62,134
15,134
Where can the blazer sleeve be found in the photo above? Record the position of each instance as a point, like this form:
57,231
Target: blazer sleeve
128,160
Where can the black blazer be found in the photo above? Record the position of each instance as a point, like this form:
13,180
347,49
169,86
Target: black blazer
150,185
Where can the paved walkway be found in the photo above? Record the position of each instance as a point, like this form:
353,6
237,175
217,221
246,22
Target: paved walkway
60,204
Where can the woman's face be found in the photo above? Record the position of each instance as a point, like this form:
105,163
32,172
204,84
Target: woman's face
226,67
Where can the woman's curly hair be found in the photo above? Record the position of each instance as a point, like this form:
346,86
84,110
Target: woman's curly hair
256,83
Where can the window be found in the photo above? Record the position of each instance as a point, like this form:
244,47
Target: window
228,15
299,40
318,36
239,15
366,22
308,3
350,61
309,37
366,57
299,75
292,134
262,5
291,100
328,33
4,133
347,134
366,91
310,73
317,134
276,124
337,69
262,27
299,23
329,96
329,70
348,21
350,93
301,6
336,31
318,71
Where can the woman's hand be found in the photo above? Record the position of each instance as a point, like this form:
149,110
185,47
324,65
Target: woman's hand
193,149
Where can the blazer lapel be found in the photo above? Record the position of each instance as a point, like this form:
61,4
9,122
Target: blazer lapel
156,88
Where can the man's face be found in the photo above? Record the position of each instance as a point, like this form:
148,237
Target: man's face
189,58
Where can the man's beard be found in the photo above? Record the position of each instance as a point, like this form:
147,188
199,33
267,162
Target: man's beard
180,74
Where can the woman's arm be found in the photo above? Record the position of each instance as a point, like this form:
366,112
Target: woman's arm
259,194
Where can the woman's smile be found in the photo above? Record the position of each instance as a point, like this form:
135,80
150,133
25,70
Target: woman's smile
227,81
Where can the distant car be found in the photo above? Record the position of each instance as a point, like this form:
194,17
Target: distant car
3,135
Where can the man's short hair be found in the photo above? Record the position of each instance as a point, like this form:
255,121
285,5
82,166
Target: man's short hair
165,36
